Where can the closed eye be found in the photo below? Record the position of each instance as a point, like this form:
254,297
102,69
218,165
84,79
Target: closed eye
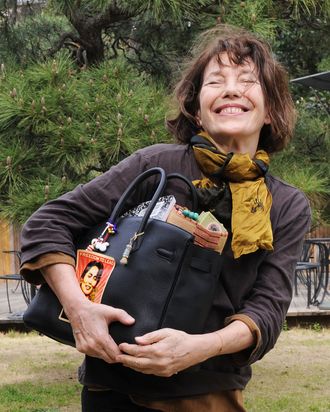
214,83
247,80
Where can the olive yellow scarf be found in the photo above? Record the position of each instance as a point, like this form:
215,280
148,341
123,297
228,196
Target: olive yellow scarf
251,199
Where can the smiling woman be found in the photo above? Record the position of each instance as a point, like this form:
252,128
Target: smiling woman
219,52
232,105
234,109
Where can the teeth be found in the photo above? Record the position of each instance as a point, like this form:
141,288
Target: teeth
232,110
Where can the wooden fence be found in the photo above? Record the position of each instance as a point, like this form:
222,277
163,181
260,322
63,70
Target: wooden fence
322,231
9,240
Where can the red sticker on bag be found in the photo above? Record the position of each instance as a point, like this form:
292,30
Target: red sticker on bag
93,271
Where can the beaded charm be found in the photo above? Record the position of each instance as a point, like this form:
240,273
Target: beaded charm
191,215
101,243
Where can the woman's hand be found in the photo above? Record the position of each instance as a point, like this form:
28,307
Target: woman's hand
166,352
90,321
90,324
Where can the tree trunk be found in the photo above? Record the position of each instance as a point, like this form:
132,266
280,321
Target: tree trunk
91,40
90,30
13,13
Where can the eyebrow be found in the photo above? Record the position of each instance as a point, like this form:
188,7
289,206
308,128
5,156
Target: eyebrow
215,73
242,71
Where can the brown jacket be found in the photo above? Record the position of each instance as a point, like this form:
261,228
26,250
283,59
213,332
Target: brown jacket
256,288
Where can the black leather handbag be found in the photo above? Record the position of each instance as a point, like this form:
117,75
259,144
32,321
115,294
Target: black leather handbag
168,281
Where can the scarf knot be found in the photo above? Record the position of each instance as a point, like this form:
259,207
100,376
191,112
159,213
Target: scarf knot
250,198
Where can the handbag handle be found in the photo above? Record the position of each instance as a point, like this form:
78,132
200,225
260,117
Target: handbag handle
133,185
190,185
158,192
137,238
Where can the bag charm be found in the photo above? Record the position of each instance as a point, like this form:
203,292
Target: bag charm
128,248
101,243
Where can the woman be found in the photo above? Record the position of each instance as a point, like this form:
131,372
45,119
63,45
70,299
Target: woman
234,110
90,277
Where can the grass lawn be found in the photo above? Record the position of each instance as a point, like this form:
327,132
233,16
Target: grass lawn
40,375
294,376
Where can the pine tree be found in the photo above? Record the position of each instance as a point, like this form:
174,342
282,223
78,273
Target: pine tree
62,123
60,126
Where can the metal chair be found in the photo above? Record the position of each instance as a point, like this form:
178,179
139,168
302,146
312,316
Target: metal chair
28,291
7,279
313,271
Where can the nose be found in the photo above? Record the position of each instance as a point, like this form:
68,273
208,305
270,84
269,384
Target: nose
232,88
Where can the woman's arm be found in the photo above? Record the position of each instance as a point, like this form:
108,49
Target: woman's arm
267,303
265,308
168,351
57,225
89,321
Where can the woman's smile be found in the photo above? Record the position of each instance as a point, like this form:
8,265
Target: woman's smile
231,109
232,105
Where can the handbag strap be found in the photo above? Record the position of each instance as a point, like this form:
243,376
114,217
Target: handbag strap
132,187
117,211
190,185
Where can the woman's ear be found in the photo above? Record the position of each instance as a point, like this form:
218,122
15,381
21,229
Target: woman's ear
267,119
198,119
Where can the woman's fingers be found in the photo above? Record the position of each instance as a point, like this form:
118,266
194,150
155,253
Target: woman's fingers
165,355
153,337
119,315
91,346
91,330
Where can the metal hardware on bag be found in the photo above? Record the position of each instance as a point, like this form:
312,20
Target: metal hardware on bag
128,248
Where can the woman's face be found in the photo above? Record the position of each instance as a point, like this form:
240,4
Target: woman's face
232,105
90,280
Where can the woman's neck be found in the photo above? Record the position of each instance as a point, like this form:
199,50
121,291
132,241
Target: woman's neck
237,146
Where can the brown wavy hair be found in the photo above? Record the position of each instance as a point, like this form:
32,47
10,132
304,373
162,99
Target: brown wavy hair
240,45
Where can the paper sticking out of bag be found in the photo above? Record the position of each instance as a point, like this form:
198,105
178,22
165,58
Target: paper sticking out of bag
161,210
208,231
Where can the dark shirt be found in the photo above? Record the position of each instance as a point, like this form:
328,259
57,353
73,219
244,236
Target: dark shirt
257,286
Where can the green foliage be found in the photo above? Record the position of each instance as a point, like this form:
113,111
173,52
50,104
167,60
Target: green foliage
305,162
157,9
310,8
301,46
40,397
307,178
297,31
312,133
285,326
174,10
30,39
324,64
254,15
60,127
316,327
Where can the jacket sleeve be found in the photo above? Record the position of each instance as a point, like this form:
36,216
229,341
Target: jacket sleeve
268,301
55,226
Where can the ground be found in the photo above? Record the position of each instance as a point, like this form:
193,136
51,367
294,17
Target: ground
40,375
